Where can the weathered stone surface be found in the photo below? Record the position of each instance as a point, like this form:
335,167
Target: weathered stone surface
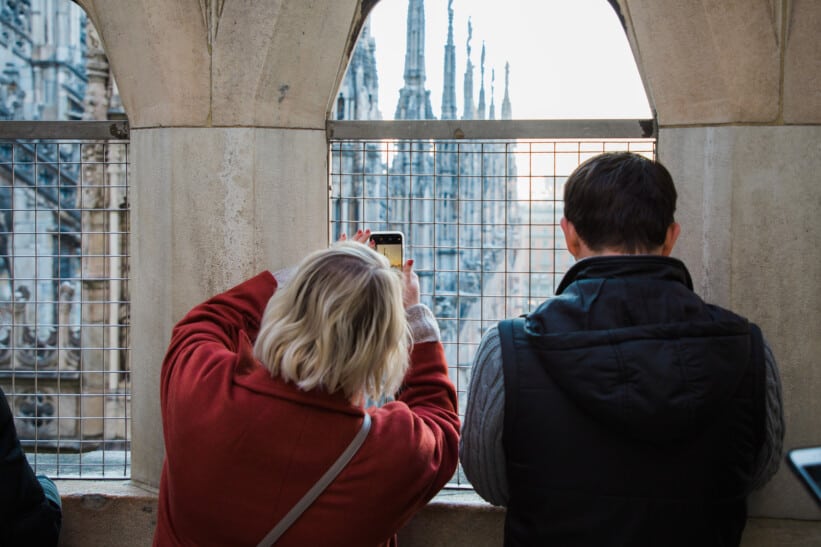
158,52
802,64
455,519
105,513
710,61
279,64
199,63
698,159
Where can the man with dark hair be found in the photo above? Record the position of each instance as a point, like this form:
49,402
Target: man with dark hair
625,410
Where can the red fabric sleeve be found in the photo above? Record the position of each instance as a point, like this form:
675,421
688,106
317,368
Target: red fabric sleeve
207,338
431,395
425,426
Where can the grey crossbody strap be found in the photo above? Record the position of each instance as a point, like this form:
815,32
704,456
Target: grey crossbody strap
320,485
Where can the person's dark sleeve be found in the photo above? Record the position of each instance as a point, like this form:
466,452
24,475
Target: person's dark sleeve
26,516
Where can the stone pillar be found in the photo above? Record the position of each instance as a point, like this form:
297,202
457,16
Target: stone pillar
227,101
735,87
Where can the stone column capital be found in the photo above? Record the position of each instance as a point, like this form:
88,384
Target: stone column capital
227,63
711,61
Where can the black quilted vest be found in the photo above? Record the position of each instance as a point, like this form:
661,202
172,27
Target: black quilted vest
633,411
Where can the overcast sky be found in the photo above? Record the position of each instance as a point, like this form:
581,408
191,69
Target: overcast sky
568,58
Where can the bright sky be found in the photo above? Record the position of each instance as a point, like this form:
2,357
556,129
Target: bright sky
568,58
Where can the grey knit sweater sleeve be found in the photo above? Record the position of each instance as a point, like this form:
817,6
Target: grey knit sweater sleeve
480,447
422,324
769,457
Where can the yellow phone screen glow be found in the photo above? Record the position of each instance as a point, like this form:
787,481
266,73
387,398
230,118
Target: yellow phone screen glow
392,252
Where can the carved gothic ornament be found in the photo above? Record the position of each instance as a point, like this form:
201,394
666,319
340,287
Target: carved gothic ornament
96,60
23,347
211,13
35,413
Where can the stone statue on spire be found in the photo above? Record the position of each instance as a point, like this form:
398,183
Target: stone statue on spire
470,34
469,107
507,112
480,114
449,80
492,113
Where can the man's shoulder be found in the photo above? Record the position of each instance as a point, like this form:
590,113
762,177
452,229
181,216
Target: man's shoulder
721,313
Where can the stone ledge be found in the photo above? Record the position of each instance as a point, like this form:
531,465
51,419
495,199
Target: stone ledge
104,513
455,518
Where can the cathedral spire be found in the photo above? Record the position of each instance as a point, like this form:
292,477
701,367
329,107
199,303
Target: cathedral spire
469,108
480,114
415,50
414,99
507,112
492,114
449,80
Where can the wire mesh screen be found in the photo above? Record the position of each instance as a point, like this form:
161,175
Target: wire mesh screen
64,303
480,218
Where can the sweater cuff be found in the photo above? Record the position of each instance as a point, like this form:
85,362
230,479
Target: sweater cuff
284,276
422,324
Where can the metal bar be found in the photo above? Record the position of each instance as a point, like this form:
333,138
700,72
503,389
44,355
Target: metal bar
492,129
65,130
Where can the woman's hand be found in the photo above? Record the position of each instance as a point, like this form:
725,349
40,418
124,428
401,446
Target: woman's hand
410,281
410,285
361,236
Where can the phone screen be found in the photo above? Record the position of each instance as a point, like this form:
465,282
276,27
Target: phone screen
391,245
806,464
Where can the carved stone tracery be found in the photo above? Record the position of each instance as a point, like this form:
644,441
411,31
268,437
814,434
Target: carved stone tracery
211,14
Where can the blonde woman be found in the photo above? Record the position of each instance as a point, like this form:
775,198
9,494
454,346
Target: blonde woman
263,388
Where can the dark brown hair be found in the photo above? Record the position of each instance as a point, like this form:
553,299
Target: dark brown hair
620,201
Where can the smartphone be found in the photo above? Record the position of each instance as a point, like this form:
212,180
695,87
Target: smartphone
806,464
392,245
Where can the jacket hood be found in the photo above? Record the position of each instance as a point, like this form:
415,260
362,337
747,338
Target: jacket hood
640,352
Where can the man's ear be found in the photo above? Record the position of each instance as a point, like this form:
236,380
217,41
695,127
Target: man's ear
571,238
673,232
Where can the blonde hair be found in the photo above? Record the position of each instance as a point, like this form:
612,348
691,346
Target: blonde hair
339,325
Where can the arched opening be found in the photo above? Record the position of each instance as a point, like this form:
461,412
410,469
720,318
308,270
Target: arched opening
64,313
514,90
543,59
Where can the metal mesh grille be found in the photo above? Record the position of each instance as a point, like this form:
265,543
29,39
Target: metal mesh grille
481,220
64,303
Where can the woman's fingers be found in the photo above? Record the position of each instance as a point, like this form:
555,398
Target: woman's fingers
361,236
410,285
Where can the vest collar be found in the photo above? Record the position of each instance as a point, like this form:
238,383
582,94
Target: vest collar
647,266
